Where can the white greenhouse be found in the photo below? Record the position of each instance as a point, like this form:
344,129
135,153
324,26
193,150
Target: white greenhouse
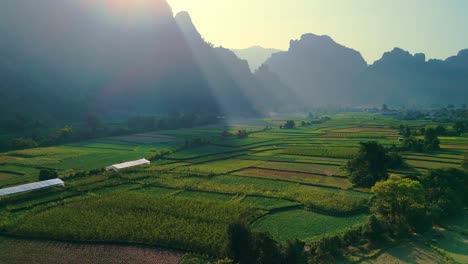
129,164
32,187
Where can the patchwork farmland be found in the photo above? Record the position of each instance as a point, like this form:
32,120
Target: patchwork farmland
288,182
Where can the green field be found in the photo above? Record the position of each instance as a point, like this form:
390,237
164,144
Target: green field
288,182
305,225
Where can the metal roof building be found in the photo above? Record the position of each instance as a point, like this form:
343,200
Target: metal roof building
31,187
125,165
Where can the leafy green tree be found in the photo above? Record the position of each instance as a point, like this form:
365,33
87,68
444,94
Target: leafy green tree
441,131
65,132
460,127
413,144
394,160
369,165
405,131
374,230
431,141
294,252
400,202
290,124
267,250
240,244
446,192
24,143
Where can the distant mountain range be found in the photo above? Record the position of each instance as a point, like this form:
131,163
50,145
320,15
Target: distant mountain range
59,60
323,72
255,55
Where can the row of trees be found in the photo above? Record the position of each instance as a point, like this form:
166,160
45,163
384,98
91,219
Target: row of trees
37,134
430,142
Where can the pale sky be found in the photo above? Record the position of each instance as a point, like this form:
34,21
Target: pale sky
438,28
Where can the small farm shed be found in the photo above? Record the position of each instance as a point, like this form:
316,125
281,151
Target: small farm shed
129,164
31,187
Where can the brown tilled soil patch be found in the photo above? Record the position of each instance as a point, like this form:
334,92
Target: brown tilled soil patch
308,178
14,251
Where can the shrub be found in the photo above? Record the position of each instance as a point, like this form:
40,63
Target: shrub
24,143
45,175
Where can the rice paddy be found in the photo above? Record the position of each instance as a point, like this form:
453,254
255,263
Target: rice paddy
288,182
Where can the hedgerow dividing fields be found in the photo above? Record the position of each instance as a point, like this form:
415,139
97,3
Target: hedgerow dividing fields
288,182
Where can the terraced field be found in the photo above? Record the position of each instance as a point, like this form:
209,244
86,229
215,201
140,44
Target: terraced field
305,225
288,182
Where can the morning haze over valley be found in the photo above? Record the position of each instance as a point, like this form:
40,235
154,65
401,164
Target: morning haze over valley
233,132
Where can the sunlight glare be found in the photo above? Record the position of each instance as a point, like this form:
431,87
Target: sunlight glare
128,8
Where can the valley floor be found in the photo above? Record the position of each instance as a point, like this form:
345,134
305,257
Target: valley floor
288,182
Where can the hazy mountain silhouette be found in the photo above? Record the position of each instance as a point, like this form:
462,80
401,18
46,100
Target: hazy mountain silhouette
326,73
228,77
61,60
318,69
404,79
277,96
255,55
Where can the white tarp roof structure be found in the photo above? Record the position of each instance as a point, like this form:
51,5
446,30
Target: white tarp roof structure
31,187
129,164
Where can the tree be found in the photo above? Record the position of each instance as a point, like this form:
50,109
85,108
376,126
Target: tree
240,244
400,202
373,230
294,252
23,143
431,142
441,131
369,165
45,175
413,144
446,192
460,127
267,250
290,124
65,132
